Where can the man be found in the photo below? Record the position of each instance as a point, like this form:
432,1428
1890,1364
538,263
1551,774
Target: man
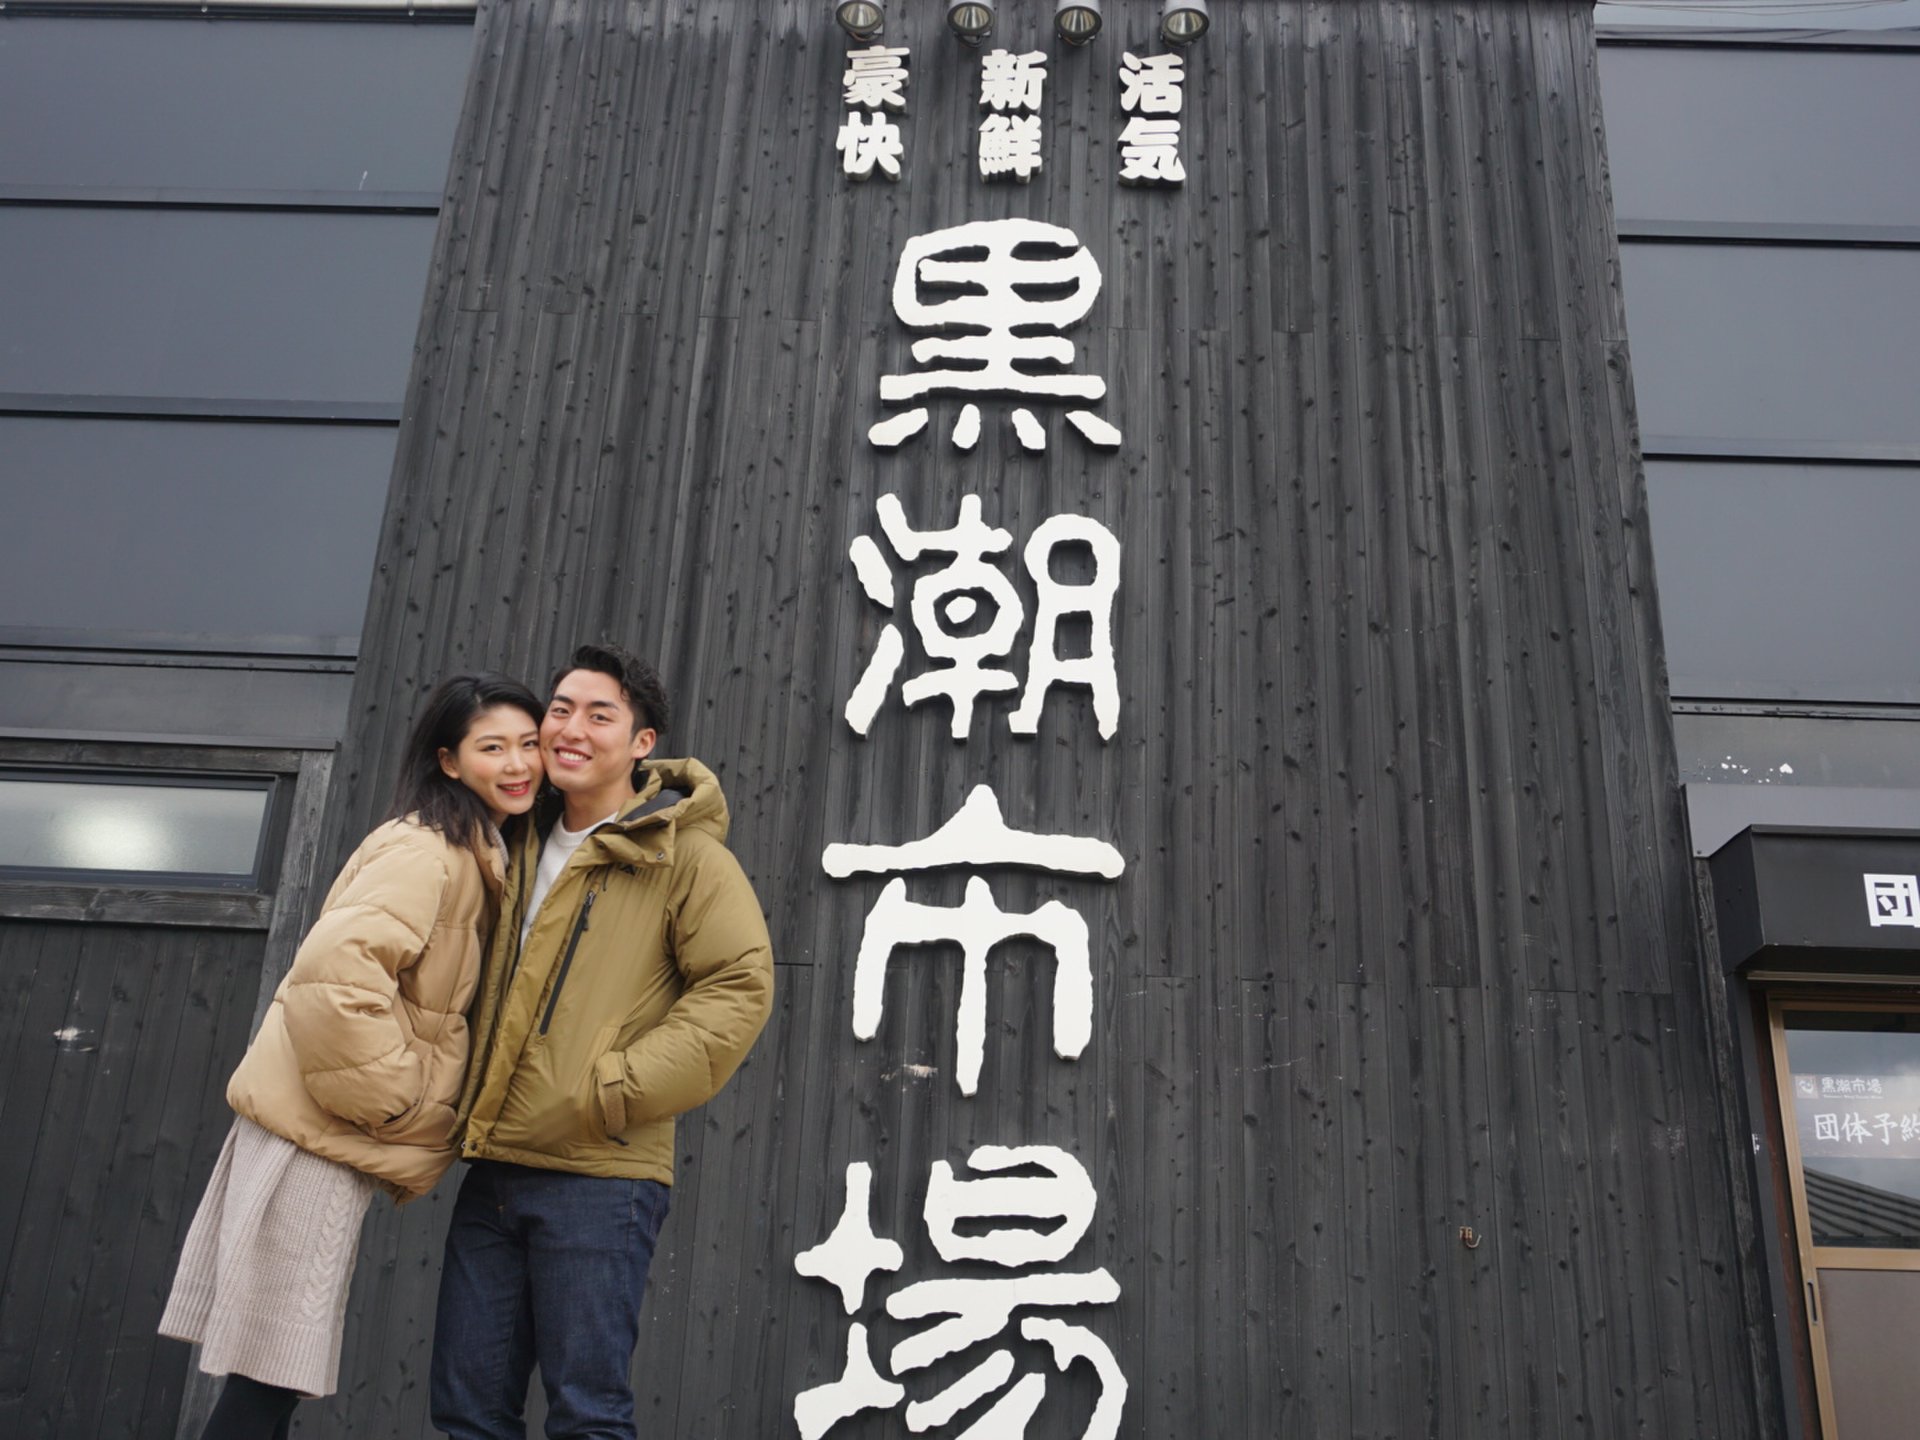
629,974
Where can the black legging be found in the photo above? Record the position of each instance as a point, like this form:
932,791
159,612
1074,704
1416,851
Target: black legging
251,1410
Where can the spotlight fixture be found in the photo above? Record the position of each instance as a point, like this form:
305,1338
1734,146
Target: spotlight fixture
1183,21
1077,21
971,20
861,19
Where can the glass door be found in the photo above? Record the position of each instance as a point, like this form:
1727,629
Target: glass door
1849,1077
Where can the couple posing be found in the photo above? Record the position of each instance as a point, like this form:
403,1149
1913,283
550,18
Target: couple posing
538,981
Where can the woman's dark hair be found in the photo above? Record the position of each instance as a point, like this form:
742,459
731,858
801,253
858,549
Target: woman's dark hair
423,789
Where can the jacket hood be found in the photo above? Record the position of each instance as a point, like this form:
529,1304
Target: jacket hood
646,832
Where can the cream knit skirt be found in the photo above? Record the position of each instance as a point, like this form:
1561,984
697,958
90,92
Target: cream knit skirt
262,1283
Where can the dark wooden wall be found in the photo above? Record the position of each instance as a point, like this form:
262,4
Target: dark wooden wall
115,1047
1405,941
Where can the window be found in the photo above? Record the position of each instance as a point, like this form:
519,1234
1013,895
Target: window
105,825
123,833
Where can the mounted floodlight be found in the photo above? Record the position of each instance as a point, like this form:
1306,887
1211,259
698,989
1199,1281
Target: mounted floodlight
861,19
1183,21
971,20
1077,21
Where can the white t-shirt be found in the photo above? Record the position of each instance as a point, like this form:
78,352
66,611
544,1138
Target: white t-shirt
554,854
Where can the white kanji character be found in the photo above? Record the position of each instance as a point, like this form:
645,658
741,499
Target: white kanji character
874,80
1045,666
1152,84
978,301
1012,82
1064,1195
1853,1130
980,1309
860,1387
977,925
1826,1127
966,1312
1010,145
869,140
975,285
1150,153
1075,1342
977,834
852,1253
942,604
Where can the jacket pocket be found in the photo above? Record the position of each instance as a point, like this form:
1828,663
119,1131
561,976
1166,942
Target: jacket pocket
429,1119
609,1078
428,1124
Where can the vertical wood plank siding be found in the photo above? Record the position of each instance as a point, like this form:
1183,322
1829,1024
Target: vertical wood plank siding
117,1046
1405,941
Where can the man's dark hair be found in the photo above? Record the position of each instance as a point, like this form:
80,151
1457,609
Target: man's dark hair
639,683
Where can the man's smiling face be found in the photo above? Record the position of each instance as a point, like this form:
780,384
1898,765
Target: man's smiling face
589,739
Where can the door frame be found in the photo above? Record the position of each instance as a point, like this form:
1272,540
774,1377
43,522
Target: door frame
1813,1258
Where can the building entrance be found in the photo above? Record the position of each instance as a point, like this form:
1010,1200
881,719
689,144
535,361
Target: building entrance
1849,1084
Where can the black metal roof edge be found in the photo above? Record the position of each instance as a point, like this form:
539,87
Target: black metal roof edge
458,12
1836,832
1703,38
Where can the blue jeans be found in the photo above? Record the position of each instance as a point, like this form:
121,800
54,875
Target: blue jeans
549,1268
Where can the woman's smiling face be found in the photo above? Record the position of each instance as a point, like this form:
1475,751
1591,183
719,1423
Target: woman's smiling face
499,760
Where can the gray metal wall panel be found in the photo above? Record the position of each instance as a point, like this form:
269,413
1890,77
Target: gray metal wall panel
1749,136
210,305
1405,942
1780,581
1775,347
178,537
247,700
275,105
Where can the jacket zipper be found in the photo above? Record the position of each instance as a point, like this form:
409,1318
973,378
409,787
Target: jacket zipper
566,961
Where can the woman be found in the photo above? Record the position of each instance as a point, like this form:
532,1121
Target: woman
350,1084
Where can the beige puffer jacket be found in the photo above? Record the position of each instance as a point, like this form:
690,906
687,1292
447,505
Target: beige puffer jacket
364,1049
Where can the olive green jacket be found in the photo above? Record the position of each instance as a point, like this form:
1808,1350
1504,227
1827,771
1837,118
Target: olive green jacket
643,982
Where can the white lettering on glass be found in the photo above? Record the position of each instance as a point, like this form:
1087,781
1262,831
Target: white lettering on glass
1893,900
